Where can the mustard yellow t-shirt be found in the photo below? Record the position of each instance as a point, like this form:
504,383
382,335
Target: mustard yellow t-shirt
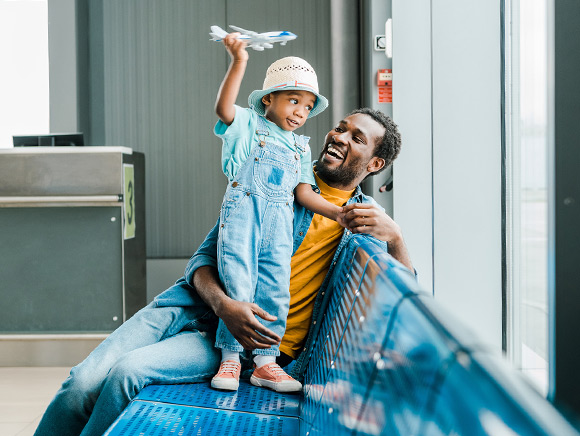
309,266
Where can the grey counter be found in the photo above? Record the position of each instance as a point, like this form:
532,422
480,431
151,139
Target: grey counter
72,239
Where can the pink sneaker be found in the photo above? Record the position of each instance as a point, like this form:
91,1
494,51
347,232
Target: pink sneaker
273,377
228,376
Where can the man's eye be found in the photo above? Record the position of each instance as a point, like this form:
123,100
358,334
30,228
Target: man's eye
337,129
358,139
293,101
308,107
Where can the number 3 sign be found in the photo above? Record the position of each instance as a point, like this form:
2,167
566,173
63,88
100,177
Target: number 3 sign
129,201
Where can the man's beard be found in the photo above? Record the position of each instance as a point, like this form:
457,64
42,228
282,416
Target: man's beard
342,175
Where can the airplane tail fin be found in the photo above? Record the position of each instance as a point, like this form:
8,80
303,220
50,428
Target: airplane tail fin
217,33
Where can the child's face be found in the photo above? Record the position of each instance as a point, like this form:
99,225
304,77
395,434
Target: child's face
288,109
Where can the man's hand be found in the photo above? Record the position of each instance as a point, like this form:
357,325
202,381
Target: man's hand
240,319
370,219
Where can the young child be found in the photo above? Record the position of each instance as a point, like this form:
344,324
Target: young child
266,164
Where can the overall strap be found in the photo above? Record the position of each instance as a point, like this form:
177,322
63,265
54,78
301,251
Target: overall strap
262,131
262,128
301,142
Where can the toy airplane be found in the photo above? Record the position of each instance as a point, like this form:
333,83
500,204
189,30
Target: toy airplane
258,41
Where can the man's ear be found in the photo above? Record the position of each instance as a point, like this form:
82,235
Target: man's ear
375,164
267,99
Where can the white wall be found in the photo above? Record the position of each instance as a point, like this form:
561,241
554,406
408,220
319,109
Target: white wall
412,171
447,102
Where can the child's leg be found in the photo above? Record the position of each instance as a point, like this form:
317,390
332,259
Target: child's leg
234,356
273,284
237,264
263,359
237,256
273,295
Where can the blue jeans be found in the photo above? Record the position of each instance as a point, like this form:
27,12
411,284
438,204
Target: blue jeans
160,345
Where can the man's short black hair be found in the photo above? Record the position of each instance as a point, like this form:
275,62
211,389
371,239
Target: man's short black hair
389,146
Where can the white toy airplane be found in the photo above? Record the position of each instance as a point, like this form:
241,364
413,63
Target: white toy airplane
258,41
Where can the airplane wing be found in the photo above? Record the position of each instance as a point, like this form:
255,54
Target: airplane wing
244,31
217,33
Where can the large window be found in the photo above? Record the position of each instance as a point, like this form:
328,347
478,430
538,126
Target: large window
526,187
24,104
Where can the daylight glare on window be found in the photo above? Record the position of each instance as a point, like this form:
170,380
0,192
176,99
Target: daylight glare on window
24,86
527,202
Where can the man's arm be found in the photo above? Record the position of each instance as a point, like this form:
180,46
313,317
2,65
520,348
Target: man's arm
240,318
370,219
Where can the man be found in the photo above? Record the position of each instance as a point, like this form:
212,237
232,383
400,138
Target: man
172,339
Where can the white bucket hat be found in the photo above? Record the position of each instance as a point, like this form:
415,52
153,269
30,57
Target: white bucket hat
286,74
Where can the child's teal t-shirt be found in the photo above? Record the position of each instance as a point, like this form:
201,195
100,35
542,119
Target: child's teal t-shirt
239,138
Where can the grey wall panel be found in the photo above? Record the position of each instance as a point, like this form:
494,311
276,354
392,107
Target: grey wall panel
448,178
467,246
412,112
161,76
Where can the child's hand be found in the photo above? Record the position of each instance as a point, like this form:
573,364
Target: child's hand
341,218
236,47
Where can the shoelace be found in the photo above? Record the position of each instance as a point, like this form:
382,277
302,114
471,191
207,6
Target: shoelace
228,368
278,372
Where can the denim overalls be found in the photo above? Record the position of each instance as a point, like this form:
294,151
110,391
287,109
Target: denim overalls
256,233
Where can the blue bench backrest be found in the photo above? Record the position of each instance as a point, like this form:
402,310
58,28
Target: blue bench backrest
386,364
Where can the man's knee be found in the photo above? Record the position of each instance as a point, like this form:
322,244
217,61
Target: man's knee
129,375
161,321
80,389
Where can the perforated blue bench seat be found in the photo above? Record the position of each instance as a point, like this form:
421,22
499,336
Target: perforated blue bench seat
188,409
387,360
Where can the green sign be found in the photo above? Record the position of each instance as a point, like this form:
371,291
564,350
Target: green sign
129,201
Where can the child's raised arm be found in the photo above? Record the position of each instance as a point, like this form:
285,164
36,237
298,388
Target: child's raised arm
230,87
317,204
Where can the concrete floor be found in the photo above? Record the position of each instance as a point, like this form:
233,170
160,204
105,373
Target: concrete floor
24,395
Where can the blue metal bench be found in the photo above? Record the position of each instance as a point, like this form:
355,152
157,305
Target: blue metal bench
386,362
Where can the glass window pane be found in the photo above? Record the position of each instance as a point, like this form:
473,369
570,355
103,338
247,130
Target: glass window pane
24,105
527,219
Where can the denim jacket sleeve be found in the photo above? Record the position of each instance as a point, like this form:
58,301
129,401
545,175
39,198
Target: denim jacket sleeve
206,255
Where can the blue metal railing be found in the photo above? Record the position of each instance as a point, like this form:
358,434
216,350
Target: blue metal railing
386,364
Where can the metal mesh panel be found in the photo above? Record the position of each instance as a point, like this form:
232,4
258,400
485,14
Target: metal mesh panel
467,404
347,286
247,398
347,279
150,419
329,338
339,385
413,360
341,403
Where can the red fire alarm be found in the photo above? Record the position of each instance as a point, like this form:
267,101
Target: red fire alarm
385,86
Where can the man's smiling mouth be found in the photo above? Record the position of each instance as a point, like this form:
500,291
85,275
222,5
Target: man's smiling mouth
334,152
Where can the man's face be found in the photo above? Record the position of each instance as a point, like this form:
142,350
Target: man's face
347,156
